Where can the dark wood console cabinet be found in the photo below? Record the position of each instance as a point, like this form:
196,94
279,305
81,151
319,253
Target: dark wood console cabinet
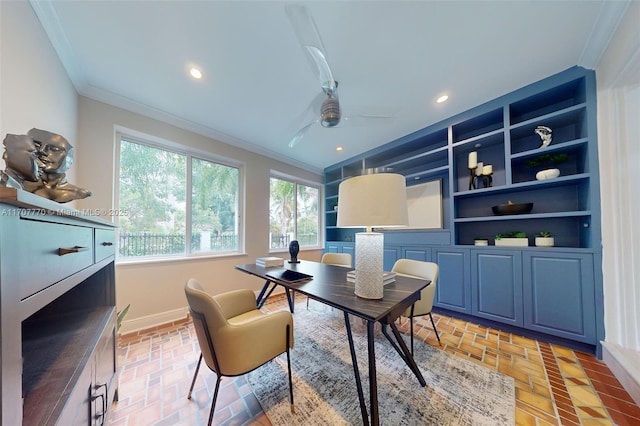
57,306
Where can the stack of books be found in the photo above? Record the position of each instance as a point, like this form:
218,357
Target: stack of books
268,262
387,277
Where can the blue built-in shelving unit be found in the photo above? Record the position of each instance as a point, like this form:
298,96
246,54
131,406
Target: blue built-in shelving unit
550,292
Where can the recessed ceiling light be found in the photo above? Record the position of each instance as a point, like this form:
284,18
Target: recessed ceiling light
442,99
338,148
195,73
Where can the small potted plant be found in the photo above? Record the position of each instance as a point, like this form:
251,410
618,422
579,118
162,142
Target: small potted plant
547,162
481,241
512,239
544,239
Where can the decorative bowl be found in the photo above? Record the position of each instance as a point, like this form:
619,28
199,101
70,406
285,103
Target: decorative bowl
515,208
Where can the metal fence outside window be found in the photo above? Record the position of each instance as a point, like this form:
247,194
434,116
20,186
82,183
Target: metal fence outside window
134,244
151,244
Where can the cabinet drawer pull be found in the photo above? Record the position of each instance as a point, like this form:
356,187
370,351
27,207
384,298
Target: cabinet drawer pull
107,243
103,396
99,414
75,249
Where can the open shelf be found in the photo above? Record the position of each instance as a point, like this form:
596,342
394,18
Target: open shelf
52,350
478,125
502,133
546,102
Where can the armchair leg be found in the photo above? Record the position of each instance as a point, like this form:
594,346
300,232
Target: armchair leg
289,368
434,329
193,382
215,397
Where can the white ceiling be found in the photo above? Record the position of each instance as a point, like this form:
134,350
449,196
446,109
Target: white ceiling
257,81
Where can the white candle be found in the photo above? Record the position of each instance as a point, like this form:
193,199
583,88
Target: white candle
479,169
473,159
487,170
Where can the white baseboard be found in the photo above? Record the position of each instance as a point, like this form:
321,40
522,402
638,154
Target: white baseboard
625,365
143,323
150,321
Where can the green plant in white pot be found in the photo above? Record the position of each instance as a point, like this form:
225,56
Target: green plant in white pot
547,163
513,239
544,239
481,241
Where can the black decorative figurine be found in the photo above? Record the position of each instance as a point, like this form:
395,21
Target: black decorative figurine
294,248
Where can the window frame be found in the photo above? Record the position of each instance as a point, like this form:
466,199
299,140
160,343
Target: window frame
189,153
296,180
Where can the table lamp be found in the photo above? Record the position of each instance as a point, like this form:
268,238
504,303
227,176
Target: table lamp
368,201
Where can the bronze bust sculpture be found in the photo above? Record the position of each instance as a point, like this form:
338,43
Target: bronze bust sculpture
20,156
53,155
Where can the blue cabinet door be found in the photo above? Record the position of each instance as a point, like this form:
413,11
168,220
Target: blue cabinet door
559,295
349,248
340,247
332,247
496,285
417,253
391,254
454,288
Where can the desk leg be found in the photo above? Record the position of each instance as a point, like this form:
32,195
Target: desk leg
262,297
373,382
403,351
356,372
291,298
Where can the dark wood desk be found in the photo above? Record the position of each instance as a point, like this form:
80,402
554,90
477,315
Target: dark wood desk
329,286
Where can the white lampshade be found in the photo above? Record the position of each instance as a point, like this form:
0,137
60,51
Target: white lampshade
377,200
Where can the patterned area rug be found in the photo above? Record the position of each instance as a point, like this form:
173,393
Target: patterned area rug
458,392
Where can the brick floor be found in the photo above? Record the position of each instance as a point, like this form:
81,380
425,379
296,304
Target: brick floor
554,385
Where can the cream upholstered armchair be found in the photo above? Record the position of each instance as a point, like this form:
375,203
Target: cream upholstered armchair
337,259
235,337
427,271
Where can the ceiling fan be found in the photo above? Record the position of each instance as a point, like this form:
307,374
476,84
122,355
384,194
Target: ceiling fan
330,112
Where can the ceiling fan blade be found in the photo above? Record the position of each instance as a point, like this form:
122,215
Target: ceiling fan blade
309,38
307,117
300,135
369,112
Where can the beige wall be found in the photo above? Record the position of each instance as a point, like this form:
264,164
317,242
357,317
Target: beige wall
155,290
35,90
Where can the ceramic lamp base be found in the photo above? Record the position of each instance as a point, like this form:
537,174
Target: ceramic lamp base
369,265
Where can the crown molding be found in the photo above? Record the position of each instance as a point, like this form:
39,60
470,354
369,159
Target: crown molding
609,18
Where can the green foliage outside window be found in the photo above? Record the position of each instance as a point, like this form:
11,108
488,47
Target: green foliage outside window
153,189
293,213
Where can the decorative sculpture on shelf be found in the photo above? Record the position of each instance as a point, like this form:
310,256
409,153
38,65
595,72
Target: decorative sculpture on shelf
52,155
20,156
545,134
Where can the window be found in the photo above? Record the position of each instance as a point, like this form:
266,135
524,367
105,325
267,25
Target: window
293,213
177,203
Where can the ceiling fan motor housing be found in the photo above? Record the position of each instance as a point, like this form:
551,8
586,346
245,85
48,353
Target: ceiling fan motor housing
330,112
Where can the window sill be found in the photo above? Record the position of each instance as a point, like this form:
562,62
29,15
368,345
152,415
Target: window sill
177,259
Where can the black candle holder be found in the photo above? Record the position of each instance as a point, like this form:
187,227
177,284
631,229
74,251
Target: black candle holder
485,180
472,177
